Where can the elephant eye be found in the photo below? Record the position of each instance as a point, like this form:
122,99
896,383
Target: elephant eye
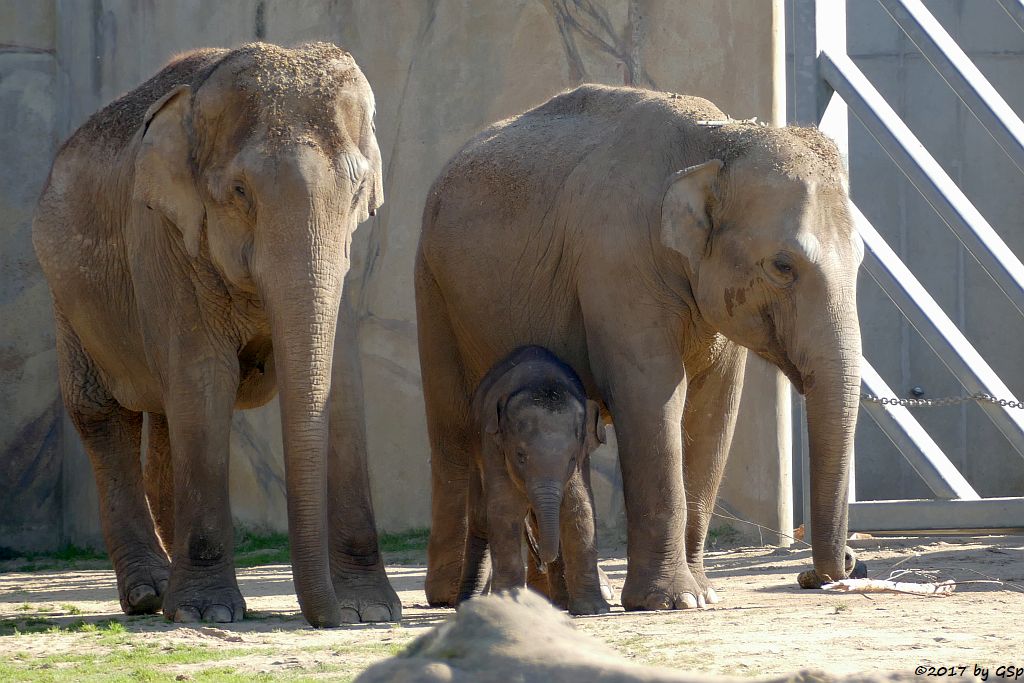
521,456
782,270
240,190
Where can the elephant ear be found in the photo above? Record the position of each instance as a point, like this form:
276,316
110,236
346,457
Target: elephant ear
493,424
164,181
595,427
375,183
685,224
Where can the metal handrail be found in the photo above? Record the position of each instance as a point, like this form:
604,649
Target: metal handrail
938,331
920,167
957,69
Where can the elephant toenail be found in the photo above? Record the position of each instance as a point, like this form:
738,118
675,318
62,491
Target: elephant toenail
140,593
689,601
186,615
349,616
375,613
659,602
712,597
217,614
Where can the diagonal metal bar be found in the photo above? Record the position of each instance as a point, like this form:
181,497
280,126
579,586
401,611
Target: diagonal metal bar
1015,9
927,176
913,442
957,69
937,330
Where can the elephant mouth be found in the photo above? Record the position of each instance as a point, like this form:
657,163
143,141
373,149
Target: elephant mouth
776,354
787,368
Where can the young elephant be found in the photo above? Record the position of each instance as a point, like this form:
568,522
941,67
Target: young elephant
536,430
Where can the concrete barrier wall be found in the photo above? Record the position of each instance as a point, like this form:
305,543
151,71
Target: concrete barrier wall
441,71
971,157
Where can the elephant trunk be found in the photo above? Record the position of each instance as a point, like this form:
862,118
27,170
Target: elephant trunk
832,388
301,284
546,501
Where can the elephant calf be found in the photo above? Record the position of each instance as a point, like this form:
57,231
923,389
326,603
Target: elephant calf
535,430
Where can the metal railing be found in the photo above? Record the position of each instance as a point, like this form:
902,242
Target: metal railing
827,86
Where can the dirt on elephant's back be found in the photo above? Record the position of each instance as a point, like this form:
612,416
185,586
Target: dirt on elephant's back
68,626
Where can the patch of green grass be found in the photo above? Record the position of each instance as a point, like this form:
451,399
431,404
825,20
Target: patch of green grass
413,539
24,608
722,536
71,609
840,607
140,662
254,548
67,557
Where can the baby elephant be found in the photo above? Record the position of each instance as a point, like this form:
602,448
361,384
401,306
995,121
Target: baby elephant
536,430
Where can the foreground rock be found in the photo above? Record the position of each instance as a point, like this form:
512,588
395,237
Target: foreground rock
520,637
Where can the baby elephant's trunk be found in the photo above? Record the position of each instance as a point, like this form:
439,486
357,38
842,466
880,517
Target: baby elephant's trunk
546,500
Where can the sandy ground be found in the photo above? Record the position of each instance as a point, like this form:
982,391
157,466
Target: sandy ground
765,624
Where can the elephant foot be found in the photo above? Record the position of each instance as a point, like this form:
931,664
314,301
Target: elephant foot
442,584
212,598
142,583
682,592
699,575
590,604
367,597
854,568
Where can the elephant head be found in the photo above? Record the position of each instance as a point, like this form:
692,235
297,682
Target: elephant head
545,434
261,169
767,243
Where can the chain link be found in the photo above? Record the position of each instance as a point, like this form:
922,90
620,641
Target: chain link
980,397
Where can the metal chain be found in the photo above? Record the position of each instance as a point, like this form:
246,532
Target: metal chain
980,397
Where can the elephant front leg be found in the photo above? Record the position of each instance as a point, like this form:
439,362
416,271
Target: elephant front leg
476,565
644,383
357,568
579,549
709,422
199,402
506,510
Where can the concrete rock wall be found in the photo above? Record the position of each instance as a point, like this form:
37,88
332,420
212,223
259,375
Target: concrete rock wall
30,411
441,70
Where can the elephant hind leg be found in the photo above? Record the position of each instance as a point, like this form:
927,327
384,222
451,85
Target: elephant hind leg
112,436
159,478
448,425
709,421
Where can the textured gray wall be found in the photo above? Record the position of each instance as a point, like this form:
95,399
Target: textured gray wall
963,290
441,70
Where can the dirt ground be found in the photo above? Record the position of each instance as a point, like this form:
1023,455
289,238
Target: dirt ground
67,625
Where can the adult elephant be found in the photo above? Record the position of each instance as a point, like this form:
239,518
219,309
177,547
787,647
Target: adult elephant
645,239
195,235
